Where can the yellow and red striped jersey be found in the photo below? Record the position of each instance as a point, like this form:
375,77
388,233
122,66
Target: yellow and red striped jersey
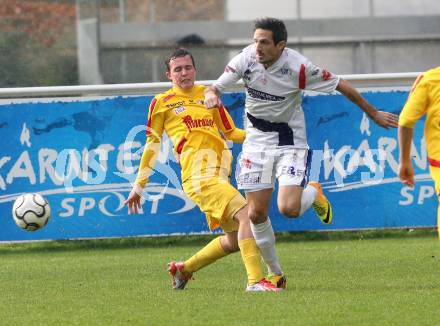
424,98
193,129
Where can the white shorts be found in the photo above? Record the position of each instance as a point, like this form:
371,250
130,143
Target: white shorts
258,170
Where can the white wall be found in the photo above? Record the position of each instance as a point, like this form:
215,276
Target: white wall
406,7
334,8
251,9
237,10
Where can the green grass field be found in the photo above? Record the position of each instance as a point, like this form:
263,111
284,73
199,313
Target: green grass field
357,278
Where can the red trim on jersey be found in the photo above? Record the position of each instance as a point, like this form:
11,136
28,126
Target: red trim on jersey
179,148
229,69
152,106
166,98
434,163
418,80
326,75
302,77
224,118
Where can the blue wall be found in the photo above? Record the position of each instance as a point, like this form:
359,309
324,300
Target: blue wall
95,147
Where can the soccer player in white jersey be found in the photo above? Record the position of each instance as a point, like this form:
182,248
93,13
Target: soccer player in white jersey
276,142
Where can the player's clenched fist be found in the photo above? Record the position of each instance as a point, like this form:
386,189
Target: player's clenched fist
212,99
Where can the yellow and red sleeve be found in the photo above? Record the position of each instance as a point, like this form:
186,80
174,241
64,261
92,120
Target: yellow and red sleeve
227,126
416,104
155,126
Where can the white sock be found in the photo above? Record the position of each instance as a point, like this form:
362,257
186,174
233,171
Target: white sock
265,239
308,197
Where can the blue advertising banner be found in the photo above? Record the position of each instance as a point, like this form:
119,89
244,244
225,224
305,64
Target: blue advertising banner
82,156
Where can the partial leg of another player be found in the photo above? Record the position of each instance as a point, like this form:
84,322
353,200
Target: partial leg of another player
238,237
181,272
295,196
262,230
251,255
438,217
293,201
435,174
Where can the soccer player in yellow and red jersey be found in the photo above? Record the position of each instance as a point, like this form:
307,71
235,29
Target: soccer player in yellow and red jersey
424,99
205,163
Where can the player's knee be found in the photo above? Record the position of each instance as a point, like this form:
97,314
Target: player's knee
229,242
233,247
291,212
242,216
257,216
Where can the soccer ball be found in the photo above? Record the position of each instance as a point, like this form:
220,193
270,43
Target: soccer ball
31,212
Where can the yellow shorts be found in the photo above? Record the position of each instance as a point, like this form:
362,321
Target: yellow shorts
218,199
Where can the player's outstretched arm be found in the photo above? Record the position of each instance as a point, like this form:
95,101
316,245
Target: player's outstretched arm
155,127
146,166
382,118
212,97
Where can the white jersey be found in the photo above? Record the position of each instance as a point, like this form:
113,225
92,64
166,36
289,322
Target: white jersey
274,116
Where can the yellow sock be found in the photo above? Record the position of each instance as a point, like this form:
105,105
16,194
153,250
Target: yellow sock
207,255
252,260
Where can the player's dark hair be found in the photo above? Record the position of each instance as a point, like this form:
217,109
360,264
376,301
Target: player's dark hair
276,26
178,53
